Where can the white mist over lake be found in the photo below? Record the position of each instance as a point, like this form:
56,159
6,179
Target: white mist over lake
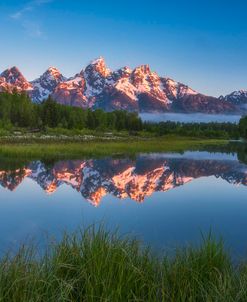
190,117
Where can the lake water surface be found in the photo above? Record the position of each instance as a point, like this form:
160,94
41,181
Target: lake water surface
164,199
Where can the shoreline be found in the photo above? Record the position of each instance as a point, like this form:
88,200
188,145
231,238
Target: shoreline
66,147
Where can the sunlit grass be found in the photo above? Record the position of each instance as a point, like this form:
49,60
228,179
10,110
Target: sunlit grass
94,265
63,149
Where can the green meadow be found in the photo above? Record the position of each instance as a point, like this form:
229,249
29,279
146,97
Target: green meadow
62,148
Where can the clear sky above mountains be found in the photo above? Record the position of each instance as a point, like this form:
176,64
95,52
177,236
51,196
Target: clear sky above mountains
200,43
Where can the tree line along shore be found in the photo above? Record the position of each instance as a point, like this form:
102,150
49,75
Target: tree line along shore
18,115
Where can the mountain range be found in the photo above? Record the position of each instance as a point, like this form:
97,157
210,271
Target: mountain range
123,178
140,90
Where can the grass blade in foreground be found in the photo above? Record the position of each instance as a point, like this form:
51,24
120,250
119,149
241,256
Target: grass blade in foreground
94,265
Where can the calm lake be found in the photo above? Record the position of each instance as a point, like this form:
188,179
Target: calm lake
165,199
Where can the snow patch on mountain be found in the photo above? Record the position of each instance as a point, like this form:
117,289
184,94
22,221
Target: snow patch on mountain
176,90
12,79
236,97
46,84
127,88
139,89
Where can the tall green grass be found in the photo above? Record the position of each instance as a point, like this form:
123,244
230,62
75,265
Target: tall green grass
94,265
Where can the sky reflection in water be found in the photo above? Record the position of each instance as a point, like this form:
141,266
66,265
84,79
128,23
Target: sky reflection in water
164,199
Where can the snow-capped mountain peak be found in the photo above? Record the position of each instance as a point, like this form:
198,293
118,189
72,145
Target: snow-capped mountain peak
98,66
238,97
54,73
145,69
46,84
12,75
95,75
12,79
140,89
176,90
72,91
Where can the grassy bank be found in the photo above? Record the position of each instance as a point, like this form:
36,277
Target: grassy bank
98,266
130,146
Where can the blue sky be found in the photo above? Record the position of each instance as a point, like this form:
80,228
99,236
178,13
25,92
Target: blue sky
200,43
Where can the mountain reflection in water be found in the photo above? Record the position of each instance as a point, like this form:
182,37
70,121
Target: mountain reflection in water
134,178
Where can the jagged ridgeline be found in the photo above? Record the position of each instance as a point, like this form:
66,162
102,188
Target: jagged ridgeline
140,90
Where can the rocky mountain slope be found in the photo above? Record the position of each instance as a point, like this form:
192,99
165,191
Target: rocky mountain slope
140,90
